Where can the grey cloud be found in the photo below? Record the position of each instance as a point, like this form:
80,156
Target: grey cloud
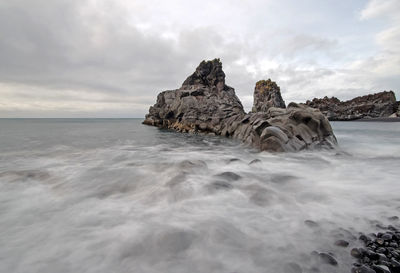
89,59
56,45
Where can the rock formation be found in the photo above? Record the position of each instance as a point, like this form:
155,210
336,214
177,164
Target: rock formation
267,94
377,105
205,104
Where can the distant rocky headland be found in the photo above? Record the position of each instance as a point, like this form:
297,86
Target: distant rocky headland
379,105
205,104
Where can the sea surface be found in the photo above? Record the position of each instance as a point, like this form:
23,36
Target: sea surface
113,195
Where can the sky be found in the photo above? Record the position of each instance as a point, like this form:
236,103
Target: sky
103,58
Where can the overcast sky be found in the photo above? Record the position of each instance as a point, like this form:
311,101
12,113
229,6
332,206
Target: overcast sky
99,58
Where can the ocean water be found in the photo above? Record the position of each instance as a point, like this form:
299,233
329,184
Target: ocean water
113,195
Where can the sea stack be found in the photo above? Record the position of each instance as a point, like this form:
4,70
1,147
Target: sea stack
267,94
205,104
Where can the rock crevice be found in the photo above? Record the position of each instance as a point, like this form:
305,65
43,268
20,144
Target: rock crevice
205,104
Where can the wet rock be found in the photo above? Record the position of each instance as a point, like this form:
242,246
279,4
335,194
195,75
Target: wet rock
394,266
233,160
311,223
377,105
255,161
364,238
380,250
342,243
392,228
387,237
371,254
192,164
327,259
231,176
380,268
362,269
379,241
356,253
394,244
382,257
383,253
292,268
205,104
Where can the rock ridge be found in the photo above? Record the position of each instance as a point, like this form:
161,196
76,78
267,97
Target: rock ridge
205,104
382,104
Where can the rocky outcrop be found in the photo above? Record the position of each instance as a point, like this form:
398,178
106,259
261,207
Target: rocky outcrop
377,105
205,104
267,94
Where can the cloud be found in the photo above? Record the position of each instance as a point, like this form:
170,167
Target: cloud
69,46
380,8
111,58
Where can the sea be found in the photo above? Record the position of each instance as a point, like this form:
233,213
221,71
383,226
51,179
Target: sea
113,195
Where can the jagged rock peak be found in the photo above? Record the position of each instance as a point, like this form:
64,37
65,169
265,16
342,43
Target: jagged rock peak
267,94
208,73
204,104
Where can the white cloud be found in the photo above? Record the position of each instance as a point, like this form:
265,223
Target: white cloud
379,8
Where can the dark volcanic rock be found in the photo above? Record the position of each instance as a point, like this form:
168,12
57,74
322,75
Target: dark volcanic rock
267,94
205,104
362,269
377,105
381,254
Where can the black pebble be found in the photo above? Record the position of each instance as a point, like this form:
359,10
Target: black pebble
381,268
380,241
364,238
355,252
362,269
381,250
372,255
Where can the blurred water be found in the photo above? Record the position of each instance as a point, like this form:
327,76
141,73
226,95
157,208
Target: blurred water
98,195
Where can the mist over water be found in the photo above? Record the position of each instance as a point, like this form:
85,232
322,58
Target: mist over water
98,195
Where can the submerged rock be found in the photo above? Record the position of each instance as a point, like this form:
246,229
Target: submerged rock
292,268
342,243
205,104
311,223
327,259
